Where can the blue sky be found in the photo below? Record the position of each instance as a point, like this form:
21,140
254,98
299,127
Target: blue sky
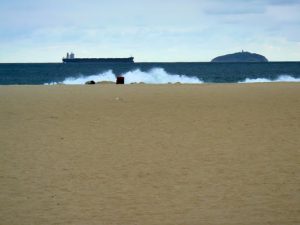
156,30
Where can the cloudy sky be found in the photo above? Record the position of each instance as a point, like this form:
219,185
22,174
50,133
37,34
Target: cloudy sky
149,30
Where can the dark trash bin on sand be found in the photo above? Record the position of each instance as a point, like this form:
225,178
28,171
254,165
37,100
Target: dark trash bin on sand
120,80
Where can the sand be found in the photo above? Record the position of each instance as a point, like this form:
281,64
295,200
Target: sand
150,154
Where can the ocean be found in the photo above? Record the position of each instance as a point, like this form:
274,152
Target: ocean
152,73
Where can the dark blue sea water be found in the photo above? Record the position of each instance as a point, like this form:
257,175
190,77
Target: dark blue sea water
52,73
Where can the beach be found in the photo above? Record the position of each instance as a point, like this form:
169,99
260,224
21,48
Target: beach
139,154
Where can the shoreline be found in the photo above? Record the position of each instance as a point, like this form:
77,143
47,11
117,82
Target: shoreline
151,84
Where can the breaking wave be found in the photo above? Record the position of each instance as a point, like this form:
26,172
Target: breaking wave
282,78
153,76
160,76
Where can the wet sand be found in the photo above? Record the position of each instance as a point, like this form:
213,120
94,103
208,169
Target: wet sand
150,155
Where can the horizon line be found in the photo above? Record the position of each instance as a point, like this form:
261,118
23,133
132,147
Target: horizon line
56,62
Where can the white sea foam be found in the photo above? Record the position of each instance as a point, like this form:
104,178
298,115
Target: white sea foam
282,78
153,76
106,76
158,76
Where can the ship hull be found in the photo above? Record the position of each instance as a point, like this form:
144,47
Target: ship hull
99,60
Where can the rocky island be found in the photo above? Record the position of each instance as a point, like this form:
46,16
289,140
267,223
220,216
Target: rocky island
241,57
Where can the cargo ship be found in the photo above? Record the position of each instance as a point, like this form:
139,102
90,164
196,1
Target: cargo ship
70,58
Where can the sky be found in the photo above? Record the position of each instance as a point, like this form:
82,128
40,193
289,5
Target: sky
149,30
